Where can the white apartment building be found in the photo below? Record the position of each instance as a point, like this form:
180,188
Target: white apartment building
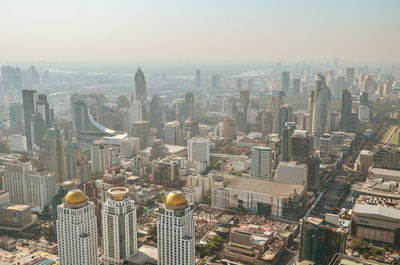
176,232
119,231
199,149
292,173
42,187
261,162
77,230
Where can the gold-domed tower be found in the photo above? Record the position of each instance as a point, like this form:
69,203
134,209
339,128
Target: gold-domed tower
75,199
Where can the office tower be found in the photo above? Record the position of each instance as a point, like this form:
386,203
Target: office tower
15,179
353,121
141,130
292,172
156,110
370,84
140,85
77,162
364,98
176,231
166,172
199,149
29,98
320,242
216,81
261,162
301,146
77,230
363,113
16,117
228,129
326,146
250,84
311,108
42,187
136,111
102,156
170,134
275,107
244,97
334,121
119,231
287,133
239,84
18,143
283,117
349,77
285,82
387,157
322,101
189,105
346,110
53,153
264,122
340,84
296,86
198,78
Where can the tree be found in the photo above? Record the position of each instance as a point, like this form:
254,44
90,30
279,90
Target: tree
212,247
357,244
153,233
207,198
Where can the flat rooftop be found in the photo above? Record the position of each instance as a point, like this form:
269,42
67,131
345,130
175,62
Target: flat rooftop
385,172
264,186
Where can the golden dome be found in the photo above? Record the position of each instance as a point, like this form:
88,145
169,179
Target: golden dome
175,198
118,194
75,196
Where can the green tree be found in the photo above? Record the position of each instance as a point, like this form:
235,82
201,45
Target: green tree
153,233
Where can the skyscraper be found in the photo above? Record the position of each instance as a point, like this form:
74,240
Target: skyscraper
170,135
261,162
29,98
140,85
102,156
199,149
216,81
155,110
239,83
301,146
189,105
53,154
322,101
77,230
285,82
296,86
119,231
284,114
198,78
346,110
320,242
287,132
349,77
16,117
176,231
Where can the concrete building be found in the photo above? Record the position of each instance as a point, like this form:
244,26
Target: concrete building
113,178
18,143
130,146
320,242
292,173
364,161
203,182
15,179
141,130
170,134
261,162
119,231
301,146
285,82
176,232
189,104
322,101
267,198
77,230
228,129
54,153
42,187
15,217
77,161
326,145
199,149
16,117
140,85
102,155
386,157
346,110
363,113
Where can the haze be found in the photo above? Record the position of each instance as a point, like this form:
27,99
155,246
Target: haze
206,31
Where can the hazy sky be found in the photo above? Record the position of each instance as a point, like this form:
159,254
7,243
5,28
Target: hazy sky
200,31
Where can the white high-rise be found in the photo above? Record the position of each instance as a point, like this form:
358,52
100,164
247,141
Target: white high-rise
261,162
77,230
102,155
42,187
170,134
176,231
322,102
15,180
199,149
119,227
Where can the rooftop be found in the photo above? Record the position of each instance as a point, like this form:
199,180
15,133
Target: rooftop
264,186
367,209
382,171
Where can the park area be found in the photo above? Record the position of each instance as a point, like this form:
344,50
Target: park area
391,136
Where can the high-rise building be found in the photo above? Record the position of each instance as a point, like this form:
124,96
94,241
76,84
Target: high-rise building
261,162
42,187
292,173
251,84
176,231
326,146
346,110
275,107
18,143
77,230
16,117
113,178
319,242
285,82
190,128
287,133
119,231
199,149
77,162
155,110
349,76
198,78
322,101
284,112
364,98
387,157
15,179
141,130
245,98
301,146
53,153
296,86
216,81
170,135
29,98
239,84
189,105
102,156
340,84
228,129
140,85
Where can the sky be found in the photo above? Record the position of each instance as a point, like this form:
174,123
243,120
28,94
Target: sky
199,31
